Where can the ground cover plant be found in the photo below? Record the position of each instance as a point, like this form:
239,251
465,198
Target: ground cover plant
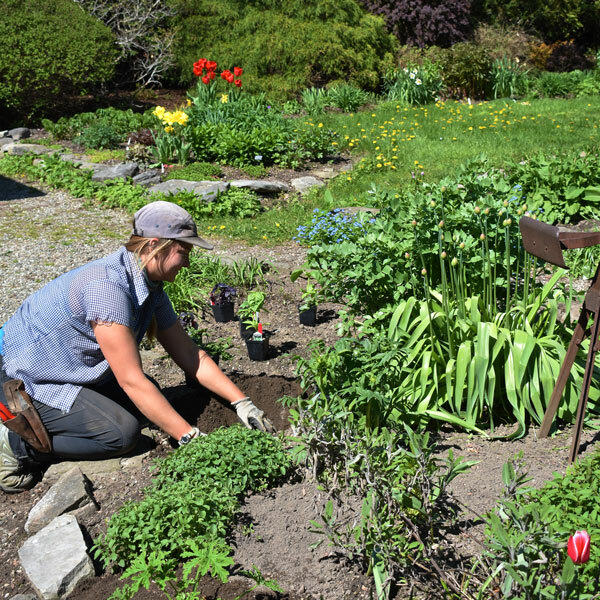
187,511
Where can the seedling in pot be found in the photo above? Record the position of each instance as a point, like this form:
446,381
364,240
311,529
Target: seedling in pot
248,310
221,300
222,294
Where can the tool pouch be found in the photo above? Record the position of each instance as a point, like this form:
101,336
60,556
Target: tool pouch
27,422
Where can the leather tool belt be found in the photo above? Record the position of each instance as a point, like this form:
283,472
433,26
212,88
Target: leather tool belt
26,421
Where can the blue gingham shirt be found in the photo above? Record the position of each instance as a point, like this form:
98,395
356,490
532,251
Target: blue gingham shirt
49,343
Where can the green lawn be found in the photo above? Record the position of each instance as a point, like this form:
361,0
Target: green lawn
390,142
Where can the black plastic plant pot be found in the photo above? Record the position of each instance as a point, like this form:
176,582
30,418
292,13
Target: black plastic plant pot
258,349
308,316
246,331
223,312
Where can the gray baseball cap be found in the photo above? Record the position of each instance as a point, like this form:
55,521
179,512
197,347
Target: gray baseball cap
162,219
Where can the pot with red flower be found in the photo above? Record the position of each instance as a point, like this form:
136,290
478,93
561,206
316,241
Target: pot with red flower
248,313
258,345
221,301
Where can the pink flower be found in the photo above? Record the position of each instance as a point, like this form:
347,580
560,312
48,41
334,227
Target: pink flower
578,547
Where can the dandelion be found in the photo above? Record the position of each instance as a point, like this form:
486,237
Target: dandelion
222,227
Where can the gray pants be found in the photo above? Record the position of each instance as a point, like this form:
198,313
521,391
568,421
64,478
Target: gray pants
103,422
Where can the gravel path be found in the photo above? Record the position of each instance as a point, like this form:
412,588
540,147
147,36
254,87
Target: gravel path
44,233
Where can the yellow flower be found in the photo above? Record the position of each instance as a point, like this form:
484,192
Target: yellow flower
169,129
188,102
159,111
320,125
222,227
276,224
224,98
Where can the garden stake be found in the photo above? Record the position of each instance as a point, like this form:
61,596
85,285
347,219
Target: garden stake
548,242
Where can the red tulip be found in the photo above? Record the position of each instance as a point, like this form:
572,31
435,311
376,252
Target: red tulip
210,75
225,75
199,67
230,78
238,83
211,65
578,547
206,79
237,71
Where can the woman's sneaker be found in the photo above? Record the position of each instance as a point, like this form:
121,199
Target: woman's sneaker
13,477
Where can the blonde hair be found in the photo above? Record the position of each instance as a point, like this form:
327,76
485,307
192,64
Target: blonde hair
140,247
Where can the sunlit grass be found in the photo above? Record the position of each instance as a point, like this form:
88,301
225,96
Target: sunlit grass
396,142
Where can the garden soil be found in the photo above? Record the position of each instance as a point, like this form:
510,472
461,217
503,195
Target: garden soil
273,532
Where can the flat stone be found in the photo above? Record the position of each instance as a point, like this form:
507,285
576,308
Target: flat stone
19,133
120,171
88,467
147,178
207,190
16,148
261,186
24,597
55,559
303,184
6,140
68,493
325,173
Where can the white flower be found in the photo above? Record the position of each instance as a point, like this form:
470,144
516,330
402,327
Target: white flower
412,75
418,81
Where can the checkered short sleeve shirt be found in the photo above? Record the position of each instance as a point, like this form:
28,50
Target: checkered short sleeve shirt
49,342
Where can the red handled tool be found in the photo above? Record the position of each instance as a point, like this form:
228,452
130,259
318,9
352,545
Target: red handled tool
5,414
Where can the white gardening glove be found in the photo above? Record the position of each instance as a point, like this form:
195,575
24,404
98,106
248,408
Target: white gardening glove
251,416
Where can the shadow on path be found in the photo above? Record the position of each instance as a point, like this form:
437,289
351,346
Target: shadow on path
13,190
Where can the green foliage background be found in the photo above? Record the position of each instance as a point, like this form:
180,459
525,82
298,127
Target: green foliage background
284,47
49,50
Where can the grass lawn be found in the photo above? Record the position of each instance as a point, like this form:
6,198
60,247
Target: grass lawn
391,142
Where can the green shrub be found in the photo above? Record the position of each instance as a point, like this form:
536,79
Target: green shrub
466,70
347,97
552,20
284,47
50,51
100,136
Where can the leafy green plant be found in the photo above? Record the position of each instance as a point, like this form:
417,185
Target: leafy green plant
249,309
509,78
401,486
99,136
191,503
346,97
414,84
314,100
120,121
526,534
564,186
250,272
196,171
310,296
